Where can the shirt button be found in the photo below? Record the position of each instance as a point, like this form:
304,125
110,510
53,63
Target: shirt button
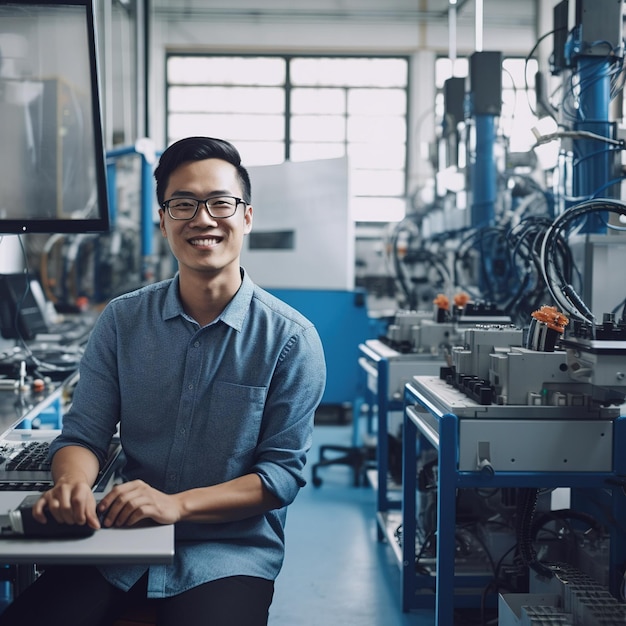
182,431
196,344
190,387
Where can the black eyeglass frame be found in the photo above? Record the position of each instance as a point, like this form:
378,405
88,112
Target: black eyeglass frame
166,206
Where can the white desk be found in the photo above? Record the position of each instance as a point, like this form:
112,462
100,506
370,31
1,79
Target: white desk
149,545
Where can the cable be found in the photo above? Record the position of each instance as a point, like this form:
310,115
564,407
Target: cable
415,255
578,134
560,287
525,247
564,514
525,512
552,112
47,281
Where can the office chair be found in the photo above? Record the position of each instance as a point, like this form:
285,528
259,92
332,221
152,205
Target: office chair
358,456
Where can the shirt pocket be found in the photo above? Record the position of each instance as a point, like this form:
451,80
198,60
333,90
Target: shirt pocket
236,415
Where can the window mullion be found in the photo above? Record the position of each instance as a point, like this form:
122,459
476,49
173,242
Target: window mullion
287,109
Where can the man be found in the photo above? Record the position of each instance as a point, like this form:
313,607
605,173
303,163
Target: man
214,383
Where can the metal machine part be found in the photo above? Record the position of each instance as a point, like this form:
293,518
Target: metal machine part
584,368
401,367
438,330
523,376
473,357
596,355
571,595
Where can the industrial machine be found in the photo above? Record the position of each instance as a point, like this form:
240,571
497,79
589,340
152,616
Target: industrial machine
529,407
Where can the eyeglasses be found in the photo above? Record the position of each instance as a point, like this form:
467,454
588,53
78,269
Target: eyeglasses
187,208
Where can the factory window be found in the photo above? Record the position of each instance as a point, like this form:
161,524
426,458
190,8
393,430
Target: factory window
278,108
518,115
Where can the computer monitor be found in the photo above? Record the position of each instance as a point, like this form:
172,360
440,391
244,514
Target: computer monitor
22,307
52,161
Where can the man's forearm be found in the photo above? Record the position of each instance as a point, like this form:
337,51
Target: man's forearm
75,464
234,500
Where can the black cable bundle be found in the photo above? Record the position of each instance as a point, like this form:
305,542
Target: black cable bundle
563,515
527,502
564,294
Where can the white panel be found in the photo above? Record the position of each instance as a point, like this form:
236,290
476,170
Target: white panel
537,445
308,199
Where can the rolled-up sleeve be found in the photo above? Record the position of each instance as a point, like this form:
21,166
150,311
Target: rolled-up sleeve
294,394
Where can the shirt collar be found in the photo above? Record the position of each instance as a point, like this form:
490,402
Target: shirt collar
234,313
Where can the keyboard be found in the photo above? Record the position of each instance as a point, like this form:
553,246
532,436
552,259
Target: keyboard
24,465
31,457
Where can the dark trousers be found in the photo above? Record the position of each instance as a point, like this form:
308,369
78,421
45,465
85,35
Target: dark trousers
80,596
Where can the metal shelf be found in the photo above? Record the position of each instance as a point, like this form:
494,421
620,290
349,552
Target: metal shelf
387,371
434,425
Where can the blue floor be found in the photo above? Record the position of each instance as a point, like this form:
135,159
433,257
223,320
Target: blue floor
336,571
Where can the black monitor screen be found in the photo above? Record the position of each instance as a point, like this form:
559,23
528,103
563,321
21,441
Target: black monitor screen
52,163
22,306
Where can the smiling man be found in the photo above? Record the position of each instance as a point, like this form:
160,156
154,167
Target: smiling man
213,383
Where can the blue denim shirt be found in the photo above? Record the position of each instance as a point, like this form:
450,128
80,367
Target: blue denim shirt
200,406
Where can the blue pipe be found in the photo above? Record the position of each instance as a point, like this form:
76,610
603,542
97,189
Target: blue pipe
112,192
114,153
594,167
147,225
484,174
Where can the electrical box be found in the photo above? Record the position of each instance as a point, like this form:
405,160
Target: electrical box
601,23
486,83
454,100
561,30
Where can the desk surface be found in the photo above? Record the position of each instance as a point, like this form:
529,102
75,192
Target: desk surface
149,545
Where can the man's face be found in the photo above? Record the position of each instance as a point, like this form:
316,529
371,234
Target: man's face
205,244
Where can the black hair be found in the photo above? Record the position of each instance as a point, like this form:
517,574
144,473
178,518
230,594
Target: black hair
197,149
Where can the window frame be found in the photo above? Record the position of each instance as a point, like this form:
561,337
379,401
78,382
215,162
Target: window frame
289,115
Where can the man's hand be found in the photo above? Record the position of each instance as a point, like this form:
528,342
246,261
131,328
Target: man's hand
134,501
68,503
71,500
